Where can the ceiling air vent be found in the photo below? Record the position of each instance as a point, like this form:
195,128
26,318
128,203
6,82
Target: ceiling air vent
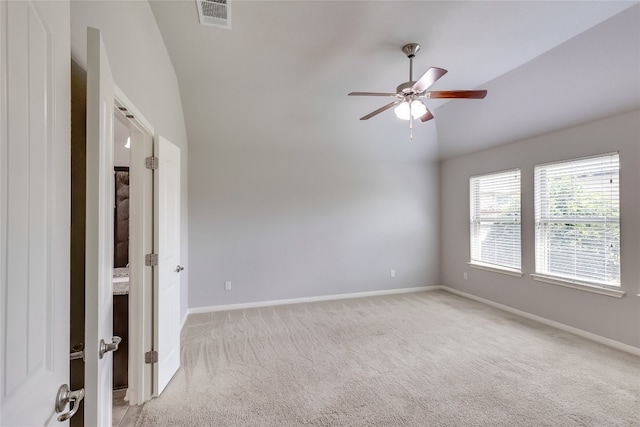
214,12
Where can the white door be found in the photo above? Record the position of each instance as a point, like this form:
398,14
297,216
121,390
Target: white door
34,209
167,286
99,234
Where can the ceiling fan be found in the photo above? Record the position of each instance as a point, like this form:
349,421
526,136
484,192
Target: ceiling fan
408,94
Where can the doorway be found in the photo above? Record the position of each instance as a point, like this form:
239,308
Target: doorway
121,266
133,239
133,375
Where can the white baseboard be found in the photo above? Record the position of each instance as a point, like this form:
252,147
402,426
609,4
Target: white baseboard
582,333
309,299
184,319
588,335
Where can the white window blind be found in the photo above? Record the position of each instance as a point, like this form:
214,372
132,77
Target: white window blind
577,215
495,219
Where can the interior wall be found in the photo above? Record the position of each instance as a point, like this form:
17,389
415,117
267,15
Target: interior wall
283,224
142,69
613,318
121,154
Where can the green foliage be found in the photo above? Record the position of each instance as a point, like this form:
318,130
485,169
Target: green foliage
588,220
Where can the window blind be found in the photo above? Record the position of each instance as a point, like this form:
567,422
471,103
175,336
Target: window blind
495,219
577,216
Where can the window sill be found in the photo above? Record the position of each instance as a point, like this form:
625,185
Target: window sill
577,285
495,269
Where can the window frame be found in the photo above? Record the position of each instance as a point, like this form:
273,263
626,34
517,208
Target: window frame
583,283
476,220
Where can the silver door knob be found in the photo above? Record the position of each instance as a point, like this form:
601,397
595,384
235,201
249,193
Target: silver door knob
178,269
66,396
77,352
112,346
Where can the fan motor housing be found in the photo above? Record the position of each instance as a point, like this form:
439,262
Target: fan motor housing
405,88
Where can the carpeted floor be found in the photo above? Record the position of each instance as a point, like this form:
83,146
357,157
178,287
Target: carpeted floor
421,359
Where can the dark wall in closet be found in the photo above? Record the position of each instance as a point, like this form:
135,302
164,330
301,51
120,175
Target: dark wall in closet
121,218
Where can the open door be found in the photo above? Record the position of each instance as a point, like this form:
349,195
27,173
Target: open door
34,211
99,342
167,279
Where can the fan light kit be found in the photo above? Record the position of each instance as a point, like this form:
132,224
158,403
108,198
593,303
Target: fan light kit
408,105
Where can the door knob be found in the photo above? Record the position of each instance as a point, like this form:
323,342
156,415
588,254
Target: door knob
64,397
112,346
77,352
178,269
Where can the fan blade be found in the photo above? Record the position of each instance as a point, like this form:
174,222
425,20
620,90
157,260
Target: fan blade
469,94
371,94
380,110
428,78
426,116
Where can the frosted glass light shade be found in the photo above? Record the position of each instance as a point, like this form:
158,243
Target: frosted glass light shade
418,109
403,111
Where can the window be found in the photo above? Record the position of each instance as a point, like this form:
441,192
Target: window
495,219
577,215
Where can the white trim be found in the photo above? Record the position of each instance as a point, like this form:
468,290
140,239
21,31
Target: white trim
140,243
257,304
184,320
580,286
592,156
496,269
495,173
584,334
122,100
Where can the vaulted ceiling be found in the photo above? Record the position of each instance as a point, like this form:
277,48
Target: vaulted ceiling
278,79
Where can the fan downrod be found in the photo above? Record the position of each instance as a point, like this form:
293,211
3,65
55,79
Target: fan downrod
409,49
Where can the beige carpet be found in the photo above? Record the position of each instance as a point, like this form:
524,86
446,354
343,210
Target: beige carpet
422,359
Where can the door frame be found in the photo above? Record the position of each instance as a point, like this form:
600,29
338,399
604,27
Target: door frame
141,241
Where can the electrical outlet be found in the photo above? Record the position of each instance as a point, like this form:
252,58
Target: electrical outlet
465,275
393,273
227,286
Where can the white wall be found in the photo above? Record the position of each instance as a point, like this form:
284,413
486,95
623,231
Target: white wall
617,319
284,224
143,70
121,154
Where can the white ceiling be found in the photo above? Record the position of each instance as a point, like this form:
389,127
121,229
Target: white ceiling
278,80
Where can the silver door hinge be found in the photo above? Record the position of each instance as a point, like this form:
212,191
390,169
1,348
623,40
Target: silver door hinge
151,162
151,357
151,260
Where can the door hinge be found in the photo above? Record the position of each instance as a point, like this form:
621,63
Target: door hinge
151,357
151,260
151,162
